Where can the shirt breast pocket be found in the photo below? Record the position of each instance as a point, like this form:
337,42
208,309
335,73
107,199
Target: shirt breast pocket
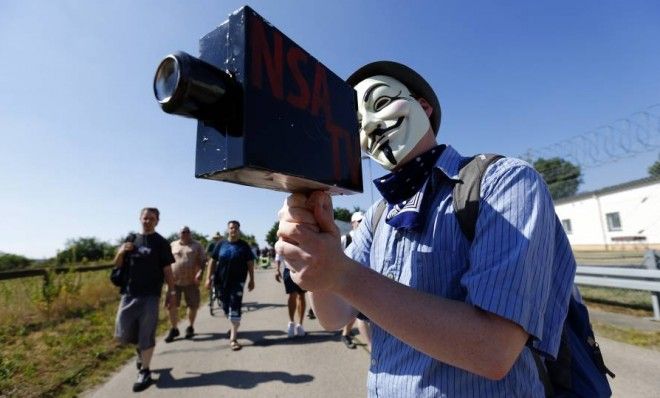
438,272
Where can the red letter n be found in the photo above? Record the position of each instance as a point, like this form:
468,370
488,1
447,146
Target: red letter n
261,55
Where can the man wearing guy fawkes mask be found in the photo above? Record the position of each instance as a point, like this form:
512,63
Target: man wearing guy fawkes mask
451,317
393,121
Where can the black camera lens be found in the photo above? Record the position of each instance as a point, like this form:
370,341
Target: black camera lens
187,86
167,77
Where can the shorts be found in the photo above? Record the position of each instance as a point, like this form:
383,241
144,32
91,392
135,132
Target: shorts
289,285
137,319
190,294
232,300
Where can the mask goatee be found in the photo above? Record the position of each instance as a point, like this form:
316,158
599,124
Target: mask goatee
388,153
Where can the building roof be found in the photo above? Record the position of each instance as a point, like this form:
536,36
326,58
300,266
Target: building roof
614,188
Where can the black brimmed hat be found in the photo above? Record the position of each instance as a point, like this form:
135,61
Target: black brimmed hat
411,79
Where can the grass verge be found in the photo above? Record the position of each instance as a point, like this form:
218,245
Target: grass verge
645,339
627,302
633,302
64,347
64,359
58,358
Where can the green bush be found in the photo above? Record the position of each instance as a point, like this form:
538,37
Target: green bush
83,250
9,262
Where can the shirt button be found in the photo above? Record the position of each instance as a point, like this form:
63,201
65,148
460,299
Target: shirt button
390,275
373,362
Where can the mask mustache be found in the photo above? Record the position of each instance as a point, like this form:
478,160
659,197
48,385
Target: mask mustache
379,134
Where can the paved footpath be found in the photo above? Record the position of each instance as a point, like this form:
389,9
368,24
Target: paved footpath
637,369
269,365
317,365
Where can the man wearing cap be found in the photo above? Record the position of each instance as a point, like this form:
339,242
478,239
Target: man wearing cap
450,317
189,261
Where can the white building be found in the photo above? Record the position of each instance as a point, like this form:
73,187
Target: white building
620,217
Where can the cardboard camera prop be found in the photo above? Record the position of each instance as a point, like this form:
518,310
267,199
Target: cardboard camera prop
269,114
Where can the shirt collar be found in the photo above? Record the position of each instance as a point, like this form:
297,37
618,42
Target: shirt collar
449,163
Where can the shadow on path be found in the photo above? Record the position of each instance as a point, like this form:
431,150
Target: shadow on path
254,306
208,336
260,338
217,312
242,379
265,338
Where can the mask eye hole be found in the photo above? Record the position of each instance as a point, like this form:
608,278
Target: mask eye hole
381,103
384,100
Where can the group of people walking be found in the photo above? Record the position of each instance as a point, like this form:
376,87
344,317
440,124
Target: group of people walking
151,261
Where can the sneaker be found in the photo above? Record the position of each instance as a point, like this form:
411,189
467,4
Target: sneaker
348,341
299,330
310,314
144,380
190,332
138,362
173,333
290,330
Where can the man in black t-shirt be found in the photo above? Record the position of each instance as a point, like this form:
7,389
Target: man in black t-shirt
148,258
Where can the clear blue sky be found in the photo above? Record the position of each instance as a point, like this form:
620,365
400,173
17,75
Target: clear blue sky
85,146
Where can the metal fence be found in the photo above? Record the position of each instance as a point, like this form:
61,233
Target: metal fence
646,277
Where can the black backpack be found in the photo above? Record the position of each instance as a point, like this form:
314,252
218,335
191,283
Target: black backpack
579,370
120,276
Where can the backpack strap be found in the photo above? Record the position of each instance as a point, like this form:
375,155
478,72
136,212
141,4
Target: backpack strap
543,374
467,191
377,215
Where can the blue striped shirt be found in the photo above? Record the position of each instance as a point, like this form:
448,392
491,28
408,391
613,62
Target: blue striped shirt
519,266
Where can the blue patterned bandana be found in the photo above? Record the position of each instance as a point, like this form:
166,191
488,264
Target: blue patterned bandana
404,189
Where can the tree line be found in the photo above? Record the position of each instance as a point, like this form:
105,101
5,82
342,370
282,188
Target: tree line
86,250
564,178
